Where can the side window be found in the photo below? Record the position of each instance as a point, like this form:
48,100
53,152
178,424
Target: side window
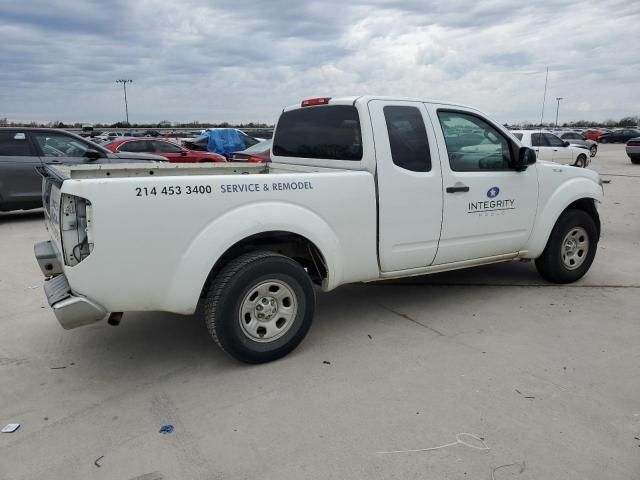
538,140
14,144
408,138
164,147
553,140
473,144
135,147
59,145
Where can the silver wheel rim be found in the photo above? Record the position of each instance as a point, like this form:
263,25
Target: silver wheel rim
580,162
593,151
575,247
268,311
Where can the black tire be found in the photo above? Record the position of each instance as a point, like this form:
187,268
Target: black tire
635,160
551,265
231,290
602,140
593,150
581,161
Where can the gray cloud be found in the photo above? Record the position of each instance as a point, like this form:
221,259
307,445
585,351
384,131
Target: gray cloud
244,60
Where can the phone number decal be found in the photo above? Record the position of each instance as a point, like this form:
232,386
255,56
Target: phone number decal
173,190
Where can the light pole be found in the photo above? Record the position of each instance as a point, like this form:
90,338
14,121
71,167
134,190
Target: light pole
124,86
557,109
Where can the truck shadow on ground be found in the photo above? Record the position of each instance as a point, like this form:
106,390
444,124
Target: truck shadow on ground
147,339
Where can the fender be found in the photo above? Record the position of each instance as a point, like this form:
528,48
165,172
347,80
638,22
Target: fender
236,225
567,193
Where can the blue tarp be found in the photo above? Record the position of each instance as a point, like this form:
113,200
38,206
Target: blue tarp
224,140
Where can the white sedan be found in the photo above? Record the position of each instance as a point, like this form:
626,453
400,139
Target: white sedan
552,148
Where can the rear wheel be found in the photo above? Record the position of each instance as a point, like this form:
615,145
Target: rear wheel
602,140
260,306
635,160
570,249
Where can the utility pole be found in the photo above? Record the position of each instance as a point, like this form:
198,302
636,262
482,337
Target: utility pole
124,86
557,109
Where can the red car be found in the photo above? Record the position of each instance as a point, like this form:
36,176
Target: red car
592,134
173,152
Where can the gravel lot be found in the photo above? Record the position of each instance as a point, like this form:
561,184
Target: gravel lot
547,375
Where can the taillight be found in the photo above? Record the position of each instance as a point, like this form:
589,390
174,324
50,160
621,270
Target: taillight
255,159
76,228
316,101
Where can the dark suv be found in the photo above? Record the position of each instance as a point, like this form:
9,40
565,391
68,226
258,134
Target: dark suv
24,149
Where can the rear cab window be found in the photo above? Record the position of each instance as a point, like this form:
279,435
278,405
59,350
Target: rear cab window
327,132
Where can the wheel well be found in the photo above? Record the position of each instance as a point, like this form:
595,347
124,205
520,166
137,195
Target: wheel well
294,246
587,205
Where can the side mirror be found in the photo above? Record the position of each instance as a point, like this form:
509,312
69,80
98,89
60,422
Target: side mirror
526,157
92,154
565,144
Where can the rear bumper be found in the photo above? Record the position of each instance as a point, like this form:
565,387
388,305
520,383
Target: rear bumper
70,309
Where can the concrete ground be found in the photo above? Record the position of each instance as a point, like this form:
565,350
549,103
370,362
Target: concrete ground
548,376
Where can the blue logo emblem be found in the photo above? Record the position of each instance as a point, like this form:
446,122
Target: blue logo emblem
493,192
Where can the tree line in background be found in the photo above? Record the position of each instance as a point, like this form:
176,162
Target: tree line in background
163,124
631,121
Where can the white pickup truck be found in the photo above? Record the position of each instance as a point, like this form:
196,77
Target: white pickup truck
359,189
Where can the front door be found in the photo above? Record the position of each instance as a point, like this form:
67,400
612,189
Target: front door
409,185
489,208
59,148
543,150
561,154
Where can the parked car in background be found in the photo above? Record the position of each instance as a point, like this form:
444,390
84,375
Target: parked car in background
593,134
173,152
24,149
553,149
259,153
575,138
107,137
622,135
633,150
203,142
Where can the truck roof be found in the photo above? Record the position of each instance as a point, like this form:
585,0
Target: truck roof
351,100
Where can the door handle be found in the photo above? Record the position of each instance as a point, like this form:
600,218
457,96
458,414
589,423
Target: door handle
457,188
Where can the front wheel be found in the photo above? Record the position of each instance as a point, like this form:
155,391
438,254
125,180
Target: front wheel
260,306
570,249
581,161
593,150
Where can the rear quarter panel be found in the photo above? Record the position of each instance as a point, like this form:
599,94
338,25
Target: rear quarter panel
154,251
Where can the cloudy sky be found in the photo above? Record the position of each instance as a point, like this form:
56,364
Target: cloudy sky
243,60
